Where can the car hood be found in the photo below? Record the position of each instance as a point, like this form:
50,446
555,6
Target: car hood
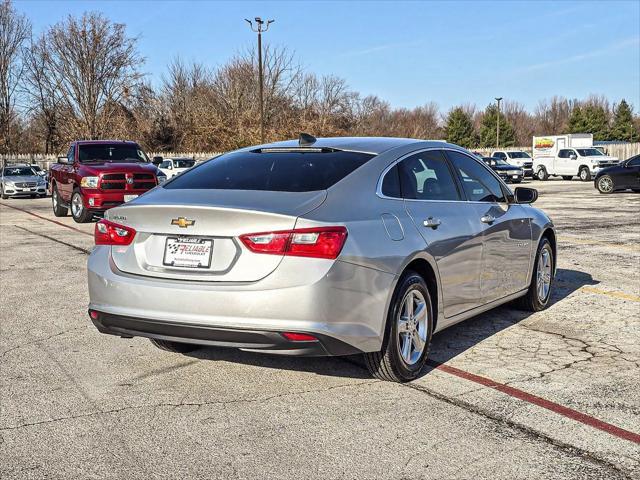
105,167
506,168
23,178
610,170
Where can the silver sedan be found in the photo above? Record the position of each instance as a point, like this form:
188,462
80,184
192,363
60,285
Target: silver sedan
332,246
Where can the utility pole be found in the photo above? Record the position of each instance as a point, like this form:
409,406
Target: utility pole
260,27
498,124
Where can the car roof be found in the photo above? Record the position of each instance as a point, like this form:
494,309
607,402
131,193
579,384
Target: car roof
374,145
104,142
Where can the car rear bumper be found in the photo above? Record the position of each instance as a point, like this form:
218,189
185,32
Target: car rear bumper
340,302
252,340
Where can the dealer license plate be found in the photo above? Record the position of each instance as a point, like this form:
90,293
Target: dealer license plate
128,198
188,252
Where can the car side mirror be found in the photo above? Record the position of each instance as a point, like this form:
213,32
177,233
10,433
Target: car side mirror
157,161
573,156
525,195
63,160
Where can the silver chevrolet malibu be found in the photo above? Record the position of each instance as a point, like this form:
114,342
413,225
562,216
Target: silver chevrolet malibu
330,246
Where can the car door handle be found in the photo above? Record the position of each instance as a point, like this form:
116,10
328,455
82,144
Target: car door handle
432,222
488,218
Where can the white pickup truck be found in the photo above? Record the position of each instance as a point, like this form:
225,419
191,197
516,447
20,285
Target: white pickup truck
568,156
518,158
173,166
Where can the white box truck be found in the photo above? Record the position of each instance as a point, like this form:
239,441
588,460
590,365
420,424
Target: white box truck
568,156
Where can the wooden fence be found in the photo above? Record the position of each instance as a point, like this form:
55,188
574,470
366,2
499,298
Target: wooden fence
45,160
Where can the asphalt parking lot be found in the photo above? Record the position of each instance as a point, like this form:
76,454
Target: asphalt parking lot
508,394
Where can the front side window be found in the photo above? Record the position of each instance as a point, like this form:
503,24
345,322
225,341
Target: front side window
184,163
165,164
634,162
499,155
426,176
478,183
279,170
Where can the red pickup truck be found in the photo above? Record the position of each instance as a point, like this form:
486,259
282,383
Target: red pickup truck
97,175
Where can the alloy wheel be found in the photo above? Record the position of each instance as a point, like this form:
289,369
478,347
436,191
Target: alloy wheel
543,279
412,327
605,184
76,205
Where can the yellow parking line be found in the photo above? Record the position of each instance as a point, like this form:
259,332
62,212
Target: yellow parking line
624,296
581,241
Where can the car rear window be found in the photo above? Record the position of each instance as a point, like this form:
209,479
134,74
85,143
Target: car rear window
279,171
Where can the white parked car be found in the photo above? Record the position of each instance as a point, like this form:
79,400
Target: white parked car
568,156
173,166
518,158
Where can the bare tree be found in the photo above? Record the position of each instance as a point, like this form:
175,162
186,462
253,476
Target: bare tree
94,64
15,29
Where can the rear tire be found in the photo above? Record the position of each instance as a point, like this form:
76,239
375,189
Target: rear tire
567,177
585,174
58,209
408,333
542,174
78,211
537,298
175,347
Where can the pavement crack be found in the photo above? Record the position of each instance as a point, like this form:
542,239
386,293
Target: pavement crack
184,404
75,247
39,340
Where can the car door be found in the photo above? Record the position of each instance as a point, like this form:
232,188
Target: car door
629,177
447,225
564,164
507,246
65,182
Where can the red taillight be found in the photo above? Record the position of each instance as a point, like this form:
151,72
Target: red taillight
110,233
322,242
299,337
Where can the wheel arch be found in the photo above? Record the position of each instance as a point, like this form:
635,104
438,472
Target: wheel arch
550,235
428,272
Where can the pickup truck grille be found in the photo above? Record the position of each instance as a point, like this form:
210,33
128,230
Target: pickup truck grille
527,164
122,181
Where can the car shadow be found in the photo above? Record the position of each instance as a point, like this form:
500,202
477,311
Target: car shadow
445,345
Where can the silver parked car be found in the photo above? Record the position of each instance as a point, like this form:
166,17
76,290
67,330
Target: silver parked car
21,180
332,246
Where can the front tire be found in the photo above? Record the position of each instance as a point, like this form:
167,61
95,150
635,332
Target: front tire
542,174
539,293
605,184
585,174
174,347
408,333
58,209
78,211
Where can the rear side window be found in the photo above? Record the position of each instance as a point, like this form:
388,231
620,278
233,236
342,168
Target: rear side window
426,176
391,183
282,171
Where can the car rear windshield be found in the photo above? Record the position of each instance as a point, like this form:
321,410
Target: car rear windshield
279,171
111,153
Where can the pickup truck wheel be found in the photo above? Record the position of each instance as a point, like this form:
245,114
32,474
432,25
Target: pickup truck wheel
175,347
567,177
539,293
585,174
58,209
79,213
542,174
408,333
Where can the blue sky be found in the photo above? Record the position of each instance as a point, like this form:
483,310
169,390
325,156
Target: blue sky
408,53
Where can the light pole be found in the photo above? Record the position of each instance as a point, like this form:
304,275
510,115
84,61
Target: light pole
498,124
260,26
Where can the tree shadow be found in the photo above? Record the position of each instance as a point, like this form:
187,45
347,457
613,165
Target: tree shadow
445,345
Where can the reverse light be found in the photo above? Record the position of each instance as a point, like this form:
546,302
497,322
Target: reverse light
321,242
89,182
110,233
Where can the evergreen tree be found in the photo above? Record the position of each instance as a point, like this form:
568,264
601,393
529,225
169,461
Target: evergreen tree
576,121
488,129
459,128
623,127
596,122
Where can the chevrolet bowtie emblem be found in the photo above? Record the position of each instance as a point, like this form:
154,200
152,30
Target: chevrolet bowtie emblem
182,222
